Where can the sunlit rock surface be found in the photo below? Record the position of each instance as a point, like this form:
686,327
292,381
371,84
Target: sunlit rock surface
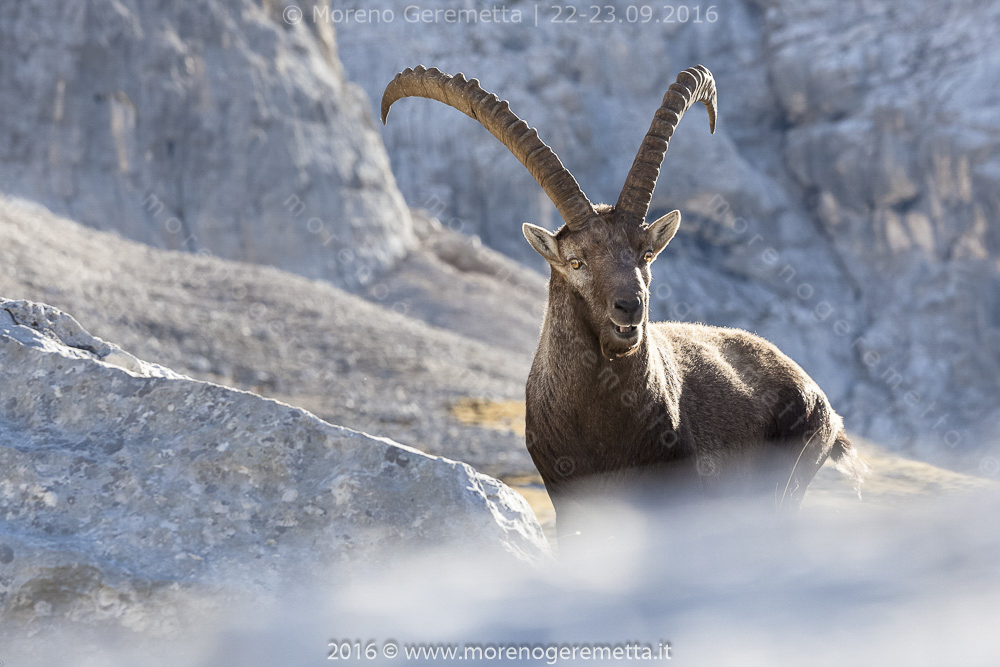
122,480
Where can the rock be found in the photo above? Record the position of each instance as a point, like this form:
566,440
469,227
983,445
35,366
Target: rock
716,584
122,479
893,134
217,127
40,326
374,367
454,282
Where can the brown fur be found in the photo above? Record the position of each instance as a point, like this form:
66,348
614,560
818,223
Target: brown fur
684,408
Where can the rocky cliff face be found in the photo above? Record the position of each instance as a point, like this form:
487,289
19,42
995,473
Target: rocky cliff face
846,209
212,126
123,479
892,145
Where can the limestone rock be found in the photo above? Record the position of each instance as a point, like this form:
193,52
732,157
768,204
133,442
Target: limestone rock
373,367
122,479
215,127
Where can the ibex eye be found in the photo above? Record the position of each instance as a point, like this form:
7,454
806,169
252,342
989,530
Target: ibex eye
575,263
648,257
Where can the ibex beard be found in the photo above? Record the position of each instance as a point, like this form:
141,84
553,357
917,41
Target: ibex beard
606,385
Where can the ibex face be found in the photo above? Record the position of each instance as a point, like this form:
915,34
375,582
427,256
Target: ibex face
607,266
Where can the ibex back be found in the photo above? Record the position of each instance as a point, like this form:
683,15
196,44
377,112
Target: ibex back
616,403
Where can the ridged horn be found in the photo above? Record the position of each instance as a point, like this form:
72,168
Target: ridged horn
495,115
694,84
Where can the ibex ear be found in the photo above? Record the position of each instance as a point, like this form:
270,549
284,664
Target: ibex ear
661,231
543,241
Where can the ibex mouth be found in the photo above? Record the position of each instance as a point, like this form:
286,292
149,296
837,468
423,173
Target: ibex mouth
624,331
620,340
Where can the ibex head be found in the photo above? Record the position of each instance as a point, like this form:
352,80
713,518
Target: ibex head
602,253
606,265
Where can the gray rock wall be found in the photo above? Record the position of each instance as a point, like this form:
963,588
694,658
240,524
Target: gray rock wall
846,208
210,126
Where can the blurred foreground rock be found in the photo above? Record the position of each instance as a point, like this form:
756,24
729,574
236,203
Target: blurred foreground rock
122,480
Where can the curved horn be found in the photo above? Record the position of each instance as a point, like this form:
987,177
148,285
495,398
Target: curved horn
694,84
496,116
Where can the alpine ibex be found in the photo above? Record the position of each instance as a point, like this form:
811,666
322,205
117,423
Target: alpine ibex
615,401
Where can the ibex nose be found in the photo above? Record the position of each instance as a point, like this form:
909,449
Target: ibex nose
629,305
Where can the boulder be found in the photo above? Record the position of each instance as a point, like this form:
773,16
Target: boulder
122,480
